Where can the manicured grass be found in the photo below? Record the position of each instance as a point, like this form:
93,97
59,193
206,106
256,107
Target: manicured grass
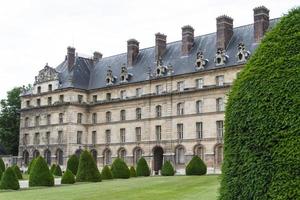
150,188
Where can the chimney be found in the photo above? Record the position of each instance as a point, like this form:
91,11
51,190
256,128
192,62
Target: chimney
224,31
97,56
132,51
71,57
187,39
160,45
261,22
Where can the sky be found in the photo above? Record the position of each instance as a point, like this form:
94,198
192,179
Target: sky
36,32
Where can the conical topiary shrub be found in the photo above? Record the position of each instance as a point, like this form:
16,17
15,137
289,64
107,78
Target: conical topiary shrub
9,180
72,164
132,172
40,174
262,151
17,171
53,168
167,169
142,168
1,173
106,173
57,171
87,169
68,177
119,169
2,165
30,166
196,167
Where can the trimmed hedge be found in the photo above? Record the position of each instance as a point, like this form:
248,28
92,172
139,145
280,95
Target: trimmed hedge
106,173
262,151
1,172
119,169
73,163
196,167
68,177
9,180
2,165
17,171
142,168
53,168
30,166
40,174
87,169
57,171
132,172
167,169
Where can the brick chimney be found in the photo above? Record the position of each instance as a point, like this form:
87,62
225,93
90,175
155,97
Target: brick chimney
97,56
160,45
132,51
71,57
224,31
261,22
187,39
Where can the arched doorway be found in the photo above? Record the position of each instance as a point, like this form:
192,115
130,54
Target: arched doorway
26,157
137,154
47,156
158,156
59,157
199,151
179,155
122,153
94,154
36,153
107,157
78,152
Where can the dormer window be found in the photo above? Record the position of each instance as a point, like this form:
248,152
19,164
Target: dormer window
221,58
110,79
200,61
125,76
242,54
39,90
160,69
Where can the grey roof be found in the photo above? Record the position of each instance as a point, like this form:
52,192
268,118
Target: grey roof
85,75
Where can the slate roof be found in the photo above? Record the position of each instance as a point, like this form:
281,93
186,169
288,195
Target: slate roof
85,75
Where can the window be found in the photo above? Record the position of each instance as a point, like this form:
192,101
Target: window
199,130
95,98
47,137
79,118
122,135
199,151
180,109
79,137
158,111
138,112
122,154
122,115
26,123
38,102
37,138
94,137
180,131
123,94
25,139
220,80
199,107
108,96
107,157
94,118
61,118
49,101
108,116
180,86
61,98
48,119
60,137
39,90
219,155
158,133
158,89
28,103
138,92
199,83
138,134
219,104
180,155
59,157
220,129
80,98
37,120
49,87
137,154
107,136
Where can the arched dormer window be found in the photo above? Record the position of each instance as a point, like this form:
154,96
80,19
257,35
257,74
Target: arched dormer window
200,61
161,70
125,76
221,58
110,79
242,54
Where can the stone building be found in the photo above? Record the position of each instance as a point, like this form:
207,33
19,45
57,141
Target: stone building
163,103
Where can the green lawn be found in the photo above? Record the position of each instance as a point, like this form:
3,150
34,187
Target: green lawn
150,188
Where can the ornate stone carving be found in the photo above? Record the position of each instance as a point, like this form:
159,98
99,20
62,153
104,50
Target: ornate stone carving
200,61
221,58
160,68
242,55
125,76
46,74
110,79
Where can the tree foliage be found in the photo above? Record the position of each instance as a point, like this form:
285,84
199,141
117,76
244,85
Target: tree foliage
142,168
53,168
2,165
40,174
68,177
9,180
119,169
17,171
72,164
57,171
87,169
132,172
262,132
167,169
30,166
106,173
196,167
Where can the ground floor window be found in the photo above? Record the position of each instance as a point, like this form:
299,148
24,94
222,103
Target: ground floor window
59,157
179,154
107,157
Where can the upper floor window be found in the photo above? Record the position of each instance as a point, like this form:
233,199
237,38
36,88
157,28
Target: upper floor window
49,101
25,139
180,86
37,120
47,137
199,106
38,102
94,118
108,96
79,118
122,135
61,98
28,103
122,115
108,116
180,108
107,136
26,123
123,94
39,89
60,137
94,137
138,134
60,118
95,98
158,133
199,83
220,80
138,92
138,112
220,129
80,98
37,138
48,119
180,131
79,137
158,89
220,104
50,87
158,111
199,130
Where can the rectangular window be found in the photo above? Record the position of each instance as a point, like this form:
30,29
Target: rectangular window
37,138
37,120
107,136
199,83
138,134
123,94
180,109
158,89
61,98
219,105
122,135
123,115
47,137
94,135
28,103
79,118
199,130
108,116
79,137
60,137
220,80
108,96
38,102
49,101
26,123
49,88
39,90
180,86
138,92
180,131
199,106
48,119
138,113
158,133
94,118
25,139
95,98
80,98
61,118
220,129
